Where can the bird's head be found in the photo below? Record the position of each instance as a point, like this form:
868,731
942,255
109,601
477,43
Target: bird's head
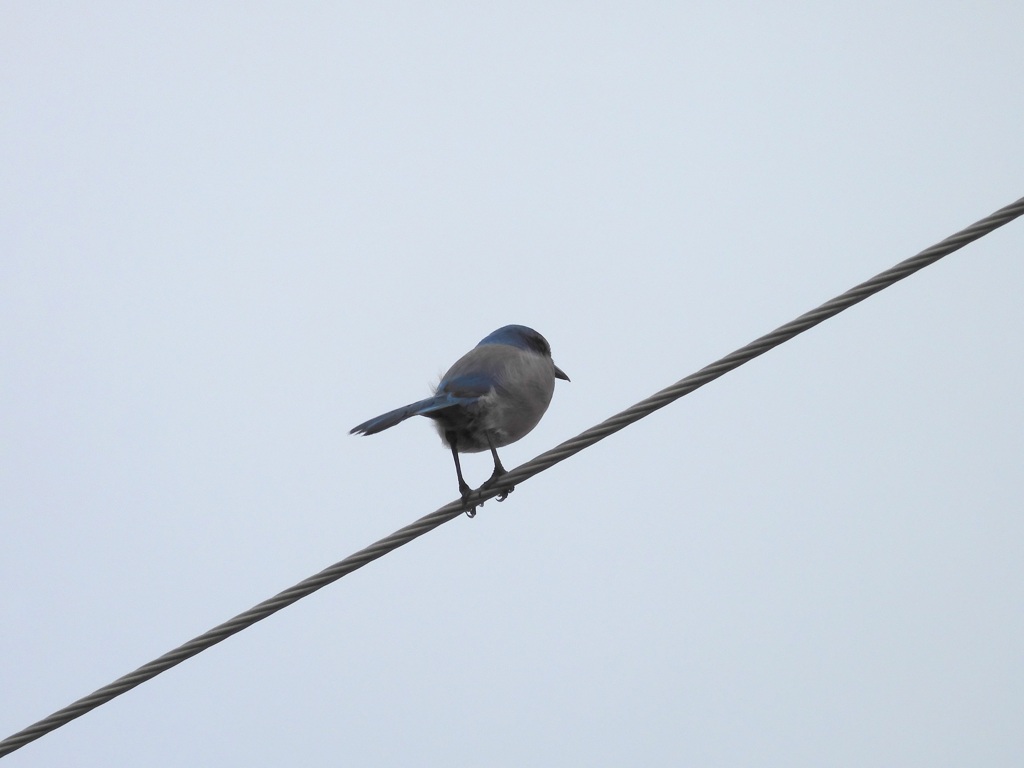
524,338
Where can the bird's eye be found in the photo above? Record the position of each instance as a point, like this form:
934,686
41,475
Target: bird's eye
539,344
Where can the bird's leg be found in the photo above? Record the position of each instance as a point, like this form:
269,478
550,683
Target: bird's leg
464,488
498,469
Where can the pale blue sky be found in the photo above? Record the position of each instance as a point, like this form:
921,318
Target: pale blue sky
229,233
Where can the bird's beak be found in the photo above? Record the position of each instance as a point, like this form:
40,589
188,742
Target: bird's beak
560,374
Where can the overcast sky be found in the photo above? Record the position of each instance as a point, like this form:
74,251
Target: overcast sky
231,232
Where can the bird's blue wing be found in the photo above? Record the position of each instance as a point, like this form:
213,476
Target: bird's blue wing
466,386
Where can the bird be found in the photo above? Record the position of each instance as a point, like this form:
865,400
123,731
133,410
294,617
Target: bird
491,397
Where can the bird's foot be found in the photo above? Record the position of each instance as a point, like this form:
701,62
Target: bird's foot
491,480
469,509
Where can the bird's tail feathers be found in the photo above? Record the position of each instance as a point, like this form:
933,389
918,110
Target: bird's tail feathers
391,418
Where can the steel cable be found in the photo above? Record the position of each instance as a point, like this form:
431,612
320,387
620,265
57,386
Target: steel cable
519,474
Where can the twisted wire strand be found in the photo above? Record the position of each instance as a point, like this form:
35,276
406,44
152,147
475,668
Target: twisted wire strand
756,348
519,474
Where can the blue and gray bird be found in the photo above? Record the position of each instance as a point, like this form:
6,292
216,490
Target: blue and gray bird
492,396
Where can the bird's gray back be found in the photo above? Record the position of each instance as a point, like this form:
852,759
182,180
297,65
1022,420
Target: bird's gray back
523,384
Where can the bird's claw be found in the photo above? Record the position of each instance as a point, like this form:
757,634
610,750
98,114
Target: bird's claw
469,509
494,478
